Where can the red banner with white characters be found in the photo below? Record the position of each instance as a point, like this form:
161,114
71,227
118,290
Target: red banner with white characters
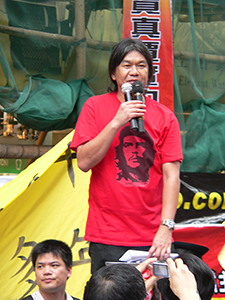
213,237
151,22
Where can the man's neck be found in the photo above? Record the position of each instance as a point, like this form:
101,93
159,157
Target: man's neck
120,96
60,295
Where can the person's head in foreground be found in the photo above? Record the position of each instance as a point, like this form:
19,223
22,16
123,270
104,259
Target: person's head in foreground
52,261
116,281
203,276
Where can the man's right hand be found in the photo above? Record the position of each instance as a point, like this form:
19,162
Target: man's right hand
182,281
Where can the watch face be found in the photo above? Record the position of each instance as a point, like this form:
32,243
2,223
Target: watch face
169,223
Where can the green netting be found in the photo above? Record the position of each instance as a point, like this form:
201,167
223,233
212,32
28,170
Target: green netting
48,104
68,42
199,82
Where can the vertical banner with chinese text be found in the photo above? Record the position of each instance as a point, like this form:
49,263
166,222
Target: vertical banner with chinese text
151,22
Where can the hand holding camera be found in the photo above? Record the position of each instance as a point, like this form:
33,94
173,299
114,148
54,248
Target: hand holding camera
161,269
158,268
146,269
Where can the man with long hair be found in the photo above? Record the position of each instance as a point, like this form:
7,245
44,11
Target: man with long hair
132,201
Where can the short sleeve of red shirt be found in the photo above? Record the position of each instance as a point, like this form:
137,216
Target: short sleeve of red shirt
86,127
164,128
96,113
171,147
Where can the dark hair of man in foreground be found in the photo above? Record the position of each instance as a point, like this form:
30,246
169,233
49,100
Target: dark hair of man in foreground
56,247
117,281
203,276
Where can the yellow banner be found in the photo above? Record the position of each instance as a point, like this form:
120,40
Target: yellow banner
42,203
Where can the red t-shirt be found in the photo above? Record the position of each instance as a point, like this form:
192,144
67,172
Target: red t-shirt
125,192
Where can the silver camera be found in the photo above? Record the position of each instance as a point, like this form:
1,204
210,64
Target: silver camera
161,269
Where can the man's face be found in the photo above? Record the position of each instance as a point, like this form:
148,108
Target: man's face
133,149
132,68
51,273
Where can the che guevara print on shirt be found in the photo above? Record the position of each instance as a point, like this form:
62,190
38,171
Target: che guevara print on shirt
135,156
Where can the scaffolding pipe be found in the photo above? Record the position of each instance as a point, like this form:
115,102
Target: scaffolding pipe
80,35
22,151
54,37
210,58
69,40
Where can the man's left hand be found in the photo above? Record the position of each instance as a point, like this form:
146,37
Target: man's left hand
161,245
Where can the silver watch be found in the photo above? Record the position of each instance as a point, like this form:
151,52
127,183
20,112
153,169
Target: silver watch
169,223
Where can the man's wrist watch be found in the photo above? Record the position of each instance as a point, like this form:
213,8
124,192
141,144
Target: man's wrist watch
169,223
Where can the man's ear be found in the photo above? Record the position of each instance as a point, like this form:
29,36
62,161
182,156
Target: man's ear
113,76
69,272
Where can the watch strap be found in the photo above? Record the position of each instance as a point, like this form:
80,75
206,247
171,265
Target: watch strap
169,223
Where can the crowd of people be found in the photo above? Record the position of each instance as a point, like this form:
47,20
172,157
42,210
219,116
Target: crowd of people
190,277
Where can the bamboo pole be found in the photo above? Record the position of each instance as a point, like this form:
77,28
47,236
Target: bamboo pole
68,40
54,38
207,57
80,35
39,142
22,151
206,18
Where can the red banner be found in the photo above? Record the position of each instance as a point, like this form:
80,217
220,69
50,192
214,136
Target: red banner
151,22
213,237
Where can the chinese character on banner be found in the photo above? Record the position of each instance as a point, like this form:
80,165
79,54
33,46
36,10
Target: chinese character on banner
151,22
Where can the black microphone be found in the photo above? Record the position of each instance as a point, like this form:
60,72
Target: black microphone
138,90
126,89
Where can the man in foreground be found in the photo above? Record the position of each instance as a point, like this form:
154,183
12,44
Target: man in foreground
52,262
124,281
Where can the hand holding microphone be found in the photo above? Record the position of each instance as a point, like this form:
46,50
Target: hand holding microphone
137,90
126,89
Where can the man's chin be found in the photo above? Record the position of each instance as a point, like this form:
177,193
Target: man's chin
49,289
